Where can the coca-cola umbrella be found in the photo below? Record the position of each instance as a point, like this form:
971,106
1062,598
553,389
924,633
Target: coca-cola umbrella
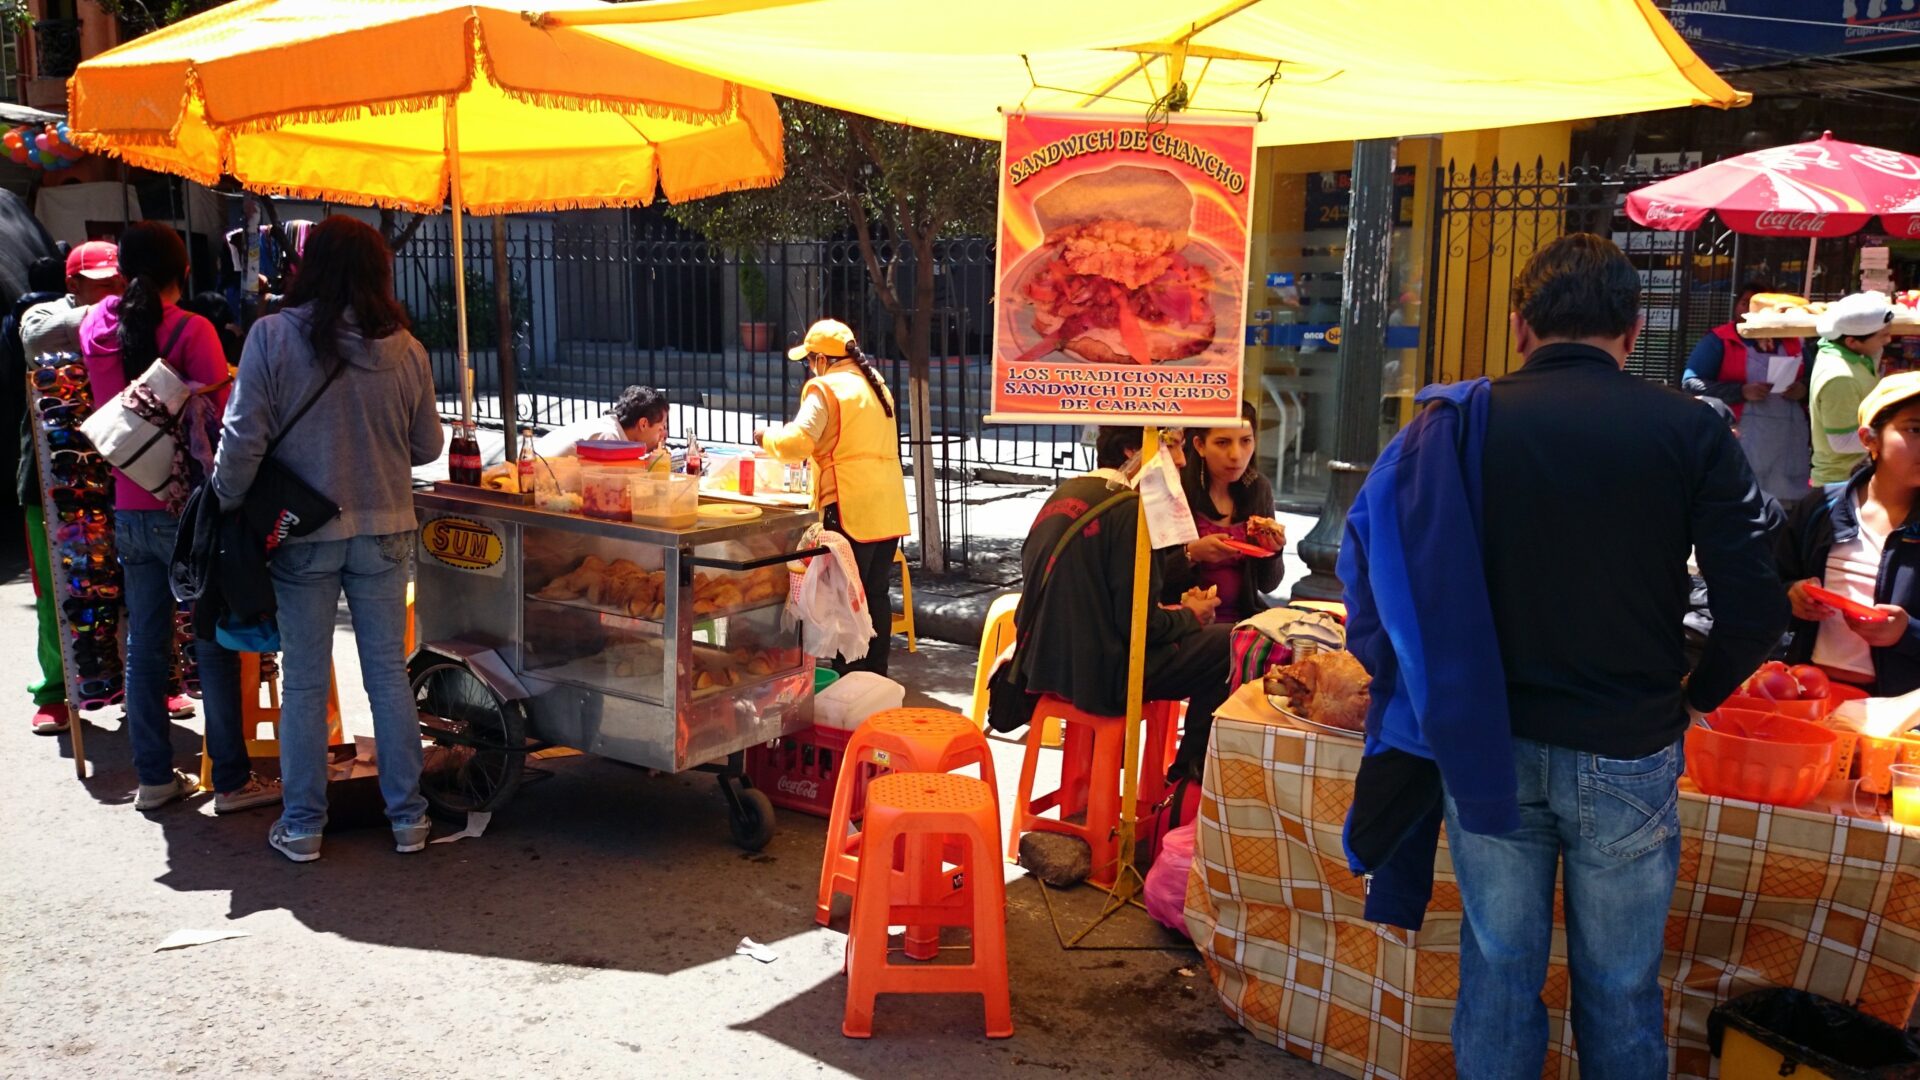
1813,189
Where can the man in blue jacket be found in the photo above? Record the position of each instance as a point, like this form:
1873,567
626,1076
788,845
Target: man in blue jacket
1558,653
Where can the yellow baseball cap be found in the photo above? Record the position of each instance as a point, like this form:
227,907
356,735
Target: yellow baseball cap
828,337
1893,390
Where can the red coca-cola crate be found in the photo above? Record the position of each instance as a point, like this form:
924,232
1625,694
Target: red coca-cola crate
798,771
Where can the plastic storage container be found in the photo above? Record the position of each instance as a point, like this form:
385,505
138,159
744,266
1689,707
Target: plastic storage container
856,696
607,470
1774,1033
1760,757
666,500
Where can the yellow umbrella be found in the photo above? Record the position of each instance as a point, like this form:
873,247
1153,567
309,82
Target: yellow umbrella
415,104
1324,71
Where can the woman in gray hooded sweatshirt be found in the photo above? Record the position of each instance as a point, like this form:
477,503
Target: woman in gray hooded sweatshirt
356,445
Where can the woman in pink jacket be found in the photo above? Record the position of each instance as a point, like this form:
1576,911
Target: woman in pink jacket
119,339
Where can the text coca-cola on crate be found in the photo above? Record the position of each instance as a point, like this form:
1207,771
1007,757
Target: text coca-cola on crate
798,771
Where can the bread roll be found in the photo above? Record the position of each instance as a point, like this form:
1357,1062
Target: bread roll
1133,193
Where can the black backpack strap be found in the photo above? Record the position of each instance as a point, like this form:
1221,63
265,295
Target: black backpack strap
1046,569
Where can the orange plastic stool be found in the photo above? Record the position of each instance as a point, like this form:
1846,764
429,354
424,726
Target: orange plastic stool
925,810
1090,778
902,741
253,714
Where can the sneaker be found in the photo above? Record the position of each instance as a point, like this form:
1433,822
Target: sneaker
408,839
51,719
180,707
155,796
297,848
256,792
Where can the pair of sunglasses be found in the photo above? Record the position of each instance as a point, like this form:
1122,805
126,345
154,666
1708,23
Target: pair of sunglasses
99,688
85,614
83,496
69,439
94,586
74,532
64,416
56,378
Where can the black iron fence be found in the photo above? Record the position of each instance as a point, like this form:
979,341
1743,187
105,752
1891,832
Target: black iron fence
1487,223
603,300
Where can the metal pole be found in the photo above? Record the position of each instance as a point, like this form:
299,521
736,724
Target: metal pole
1363,355
459,262
1813,247
503,306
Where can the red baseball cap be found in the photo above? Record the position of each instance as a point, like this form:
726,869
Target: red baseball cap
95,259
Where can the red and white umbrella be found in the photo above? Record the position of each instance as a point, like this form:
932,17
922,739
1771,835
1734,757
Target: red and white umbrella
1813,189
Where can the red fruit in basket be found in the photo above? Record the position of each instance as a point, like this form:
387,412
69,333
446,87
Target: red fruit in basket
1813,681
1779,685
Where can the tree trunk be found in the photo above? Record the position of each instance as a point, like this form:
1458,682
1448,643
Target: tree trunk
919,346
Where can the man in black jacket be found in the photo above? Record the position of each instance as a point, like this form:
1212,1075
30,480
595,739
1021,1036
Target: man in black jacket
1076,615
1597,486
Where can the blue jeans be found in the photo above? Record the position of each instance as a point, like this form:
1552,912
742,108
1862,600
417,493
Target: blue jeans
144,539
307,581
1616,825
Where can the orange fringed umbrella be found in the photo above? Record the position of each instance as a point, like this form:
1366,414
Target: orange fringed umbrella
421,104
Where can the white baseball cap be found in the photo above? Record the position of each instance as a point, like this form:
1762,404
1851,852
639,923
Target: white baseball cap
1859,315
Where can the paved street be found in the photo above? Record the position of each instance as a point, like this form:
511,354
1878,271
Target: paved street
591,932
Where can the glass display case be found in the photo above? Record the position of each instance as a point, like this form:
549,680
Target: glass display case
659,647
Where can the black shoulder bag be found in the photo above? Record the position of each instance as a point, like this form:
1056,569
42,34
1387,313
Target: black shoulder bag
1009,703
280,505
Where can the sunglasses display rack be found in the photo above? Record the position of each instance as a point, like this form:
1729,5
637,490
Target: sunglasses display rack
76,493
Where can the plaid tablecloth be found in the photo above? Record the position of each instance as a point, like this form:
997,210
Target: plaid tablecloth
1766,897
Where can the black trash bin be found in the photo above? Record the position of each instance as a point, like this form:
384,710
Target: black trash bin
1774,1033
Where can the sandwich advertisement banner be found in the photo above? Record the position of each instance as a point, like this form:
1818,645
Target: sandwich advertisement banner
1120,290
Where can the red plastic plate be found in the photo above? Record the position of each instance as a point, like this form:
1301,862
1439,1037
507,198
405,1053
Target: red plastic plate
1252,551
1847,607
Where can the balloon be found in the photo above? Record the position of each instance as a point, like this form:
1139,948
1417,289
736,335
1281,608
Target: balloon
41,144
61,127
33,155
18,154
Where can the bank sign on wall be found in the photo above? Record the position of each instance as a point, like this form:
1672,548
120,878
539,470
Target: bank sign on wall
1121,284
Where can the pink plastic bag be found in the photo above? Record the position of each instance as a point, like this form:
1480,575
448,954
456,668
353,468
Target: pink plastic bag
1166,889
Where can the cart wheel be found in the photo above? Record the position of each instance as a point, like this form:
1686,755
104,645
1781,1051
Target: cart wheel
479,742
752,823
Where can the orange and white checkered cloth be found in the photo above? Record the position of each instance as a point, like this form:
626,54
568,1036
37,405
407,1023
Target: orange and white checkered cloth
1766,897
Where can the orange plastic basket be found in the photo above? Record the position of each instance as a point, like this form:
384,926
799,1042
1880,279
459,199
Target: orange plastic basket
1761,757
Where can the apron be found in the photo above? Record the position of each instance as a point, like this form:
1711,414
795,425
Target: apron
1775,433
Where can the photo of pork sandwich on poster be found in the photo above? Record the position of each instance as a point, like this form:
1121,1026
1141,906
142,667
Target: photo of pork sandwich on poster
1118,279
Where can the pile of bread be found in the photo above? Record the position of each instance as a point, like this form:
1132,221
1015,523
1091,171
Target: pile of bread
622,586
716,670
724,592
1769,311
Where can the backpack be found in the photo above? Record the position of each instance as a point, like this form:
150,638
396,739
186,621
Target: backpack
1010,704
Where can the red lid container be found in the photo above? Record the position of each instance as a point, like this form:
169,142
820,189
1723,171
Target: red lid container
609,451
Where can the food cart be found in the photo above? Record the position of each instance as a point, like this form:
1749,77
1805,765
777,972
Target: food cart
661,647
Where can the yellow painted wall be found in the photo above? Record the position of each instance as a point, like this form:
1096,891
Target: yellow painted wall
1481,252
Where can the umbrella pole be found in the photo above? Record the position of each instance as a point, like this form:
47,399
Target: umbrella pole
459,263
1806,287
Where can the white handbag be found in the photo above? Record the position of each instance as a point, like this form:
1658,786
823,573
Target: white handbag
137,431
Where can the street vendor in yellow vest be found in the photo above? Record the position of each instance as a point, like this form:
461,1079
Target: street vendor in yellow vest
846,431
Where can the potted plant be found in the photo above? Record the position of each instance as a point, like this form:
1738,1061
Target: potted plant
756,334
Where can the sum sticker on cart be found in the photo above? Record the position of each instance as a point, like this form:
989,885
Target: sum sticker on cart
464,544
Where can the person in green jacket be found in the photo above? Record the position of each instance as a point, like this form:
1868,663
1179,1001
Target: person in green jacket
1854,331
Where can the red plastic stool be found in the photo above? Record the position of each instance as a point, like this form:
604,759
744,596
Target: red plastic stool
925,811
901,741
1164,720
1090,777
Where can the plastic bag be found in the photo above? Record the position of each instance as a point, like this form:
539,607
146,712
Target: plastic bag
1169,518
830,602
1165,893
